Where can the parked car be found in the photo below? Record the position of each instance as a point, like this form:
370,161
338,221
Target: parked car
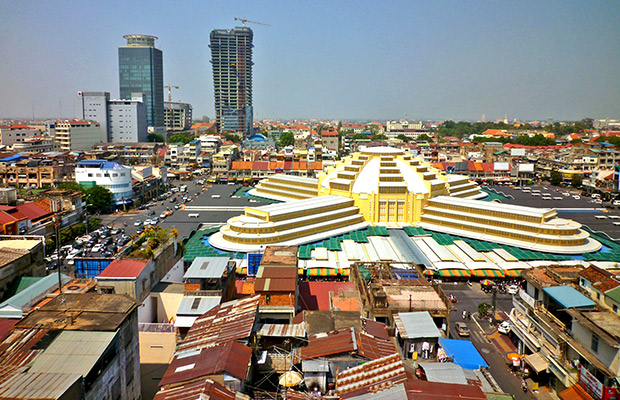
115,231
462,329
73,253
107,253
504,328
513,289
97,248
51,266
150,213
107,241
137,223
154,221
123,240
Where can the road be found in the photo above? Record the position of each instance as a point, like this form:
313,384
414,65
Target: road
468,300
179,219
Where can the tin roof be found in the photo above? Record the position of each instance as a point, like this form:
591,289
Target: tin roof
418,389
277,272
232,358
207,267
123,268
197,305
444,372
73,352
568,297
202,389
275,285
347,341
415,325
42,385
371,377
22,302
280,330
232,320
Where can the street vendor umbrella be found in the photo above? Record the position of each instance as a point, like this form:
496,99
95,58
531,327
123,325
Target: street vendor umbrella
429,272
486,282
290,378
514,356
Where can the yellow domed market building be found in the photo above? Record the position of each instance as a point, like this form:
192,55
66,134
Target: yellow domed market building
385,186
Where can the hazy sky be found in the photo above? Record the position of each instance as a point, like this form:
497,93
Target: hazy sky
330,59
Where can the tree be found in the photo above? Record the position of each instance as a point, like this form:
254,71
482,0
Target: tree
73,186
99,198
182,137
423,138
287,139
156,137
576,180
576,140
379,137
555,177
483,309
232,137
403,138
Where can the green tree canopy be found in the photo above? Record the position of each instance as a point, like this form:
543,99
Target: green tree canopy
99,198
287,139
423,138
232,137
379,137
555,177
577,180
156,137
403,138
182,137
73,185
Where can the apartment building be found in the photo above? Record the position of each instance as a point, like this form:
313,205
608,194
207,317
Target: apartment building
35,173
177,116
128,153
79,135
15,133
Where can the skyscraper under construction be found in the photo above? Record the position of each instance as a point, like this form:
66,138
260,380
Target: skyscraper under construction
231,58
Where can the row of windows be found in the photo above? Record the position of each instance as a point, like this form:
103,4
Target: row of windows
509,224
117,186
107,175
511,235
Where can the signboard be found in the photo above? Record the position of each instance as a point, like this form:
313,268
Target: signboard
592,385
501,166
517,152
526,167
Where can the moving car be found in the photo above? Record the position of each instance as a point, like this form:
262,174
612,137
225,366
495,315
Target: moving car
137,223
462,329
504,328
163,215
513,289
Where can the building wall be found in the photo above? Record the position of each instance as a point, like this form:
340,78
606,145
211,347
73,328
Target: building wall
31,264
128,120
118,181
607,354
95,107
79,137
122,375
10,136
141,71
157,347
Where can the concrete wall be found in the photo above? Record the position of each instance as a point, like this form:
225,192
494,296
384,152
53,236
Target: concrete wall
607,354
157,347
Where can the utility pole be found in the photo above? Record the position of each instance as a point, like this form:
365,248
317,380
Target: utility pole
57,222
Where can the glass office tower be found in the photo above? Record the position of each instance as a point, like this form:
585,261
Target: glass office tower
140,67
231,58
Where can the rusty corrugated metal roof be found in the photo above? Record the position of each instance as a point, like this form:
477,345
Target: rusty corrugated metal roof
280,330
207,389
275,285
232,358
371,377
232,320
371,347
325,344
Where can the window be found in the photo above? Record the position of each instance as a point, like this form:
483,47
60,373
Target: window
594,344
615,307
90,175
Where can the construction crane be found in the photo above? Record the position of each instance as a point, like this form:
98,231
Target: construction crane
243,21
170,87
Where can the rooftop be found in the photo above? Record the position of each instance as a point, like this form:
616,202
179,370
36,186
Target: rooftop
15,306
415,325
88,312
207,268
286,255
568,297
41,385
124,268
371,377
201,389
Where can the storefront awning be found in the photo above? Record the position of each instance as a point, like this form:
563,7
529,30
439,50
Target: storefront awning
456,273
512,273
487,273
537,362
575,392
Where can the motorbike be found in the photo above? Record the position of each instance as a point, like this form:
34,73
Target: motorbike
453,299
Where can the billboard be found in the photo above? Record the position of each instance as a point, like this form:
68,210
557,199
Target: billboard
501,166
526,167
517,152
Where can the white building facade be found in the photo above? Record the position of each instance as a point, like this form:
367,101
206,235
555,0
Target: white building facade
112,176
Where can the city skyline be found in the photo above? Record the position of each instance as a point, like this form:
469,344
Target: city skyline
349,60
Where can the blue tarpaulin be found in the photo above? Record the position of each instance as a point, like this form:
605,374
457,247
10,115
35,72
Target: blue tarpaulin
568,297
15,157
463,353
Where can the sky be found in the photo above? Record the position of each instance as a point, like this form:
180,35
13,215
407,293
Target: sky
376,60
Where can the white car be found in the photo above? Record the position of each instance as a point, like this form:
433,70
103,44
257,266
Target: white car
137,223
163,215
576,197
513,289
504,328
97,248
147,222
73,253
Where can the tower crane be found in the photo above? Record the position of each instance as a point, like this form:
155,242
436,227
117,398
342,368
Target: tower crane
243,21
170,87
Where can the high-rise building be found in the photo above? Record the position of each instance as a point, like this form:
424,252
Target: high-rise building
178,116
140,67
231,58
124,121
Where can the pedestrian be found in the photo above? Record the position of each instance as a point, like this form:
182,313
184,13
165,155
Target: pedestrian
464,314
524,385
468,315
